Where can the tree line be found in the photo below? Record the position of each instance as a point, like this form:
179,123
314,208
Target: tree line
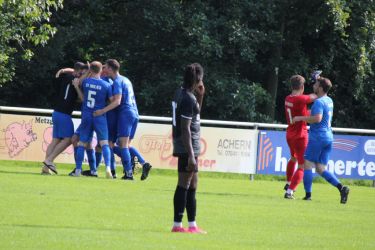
248,48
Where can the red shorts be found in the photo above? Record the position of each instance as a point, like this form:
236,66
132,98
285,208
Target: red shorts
297,148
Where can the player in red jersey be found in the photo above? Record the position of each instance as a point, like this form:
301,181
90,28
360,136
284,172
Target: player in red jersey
296,133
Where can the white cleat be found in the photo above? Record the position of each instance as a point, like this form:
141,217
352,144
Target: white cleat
108,173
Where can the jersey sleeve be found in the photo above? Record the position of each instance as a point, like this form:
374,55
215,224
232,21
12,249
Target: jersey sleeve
117,90
317,108
109,91
187,106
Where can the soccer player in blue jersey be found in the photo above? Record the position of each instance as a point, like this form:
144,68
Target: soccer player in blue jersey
127,118
96,93
319,146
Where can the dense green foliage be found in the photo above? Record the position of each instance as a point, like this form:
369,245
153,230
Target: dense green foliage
248,48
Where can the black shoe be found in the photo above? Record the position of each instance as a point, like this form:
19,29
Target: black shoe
289,196
128,178
286,186
307,198
88,173
114,176
344,194
73,172
145,170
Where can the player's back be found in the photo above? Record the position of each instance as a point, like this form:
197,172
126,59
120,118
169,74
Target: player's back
67,96
296,105
128,103
322,130
96,94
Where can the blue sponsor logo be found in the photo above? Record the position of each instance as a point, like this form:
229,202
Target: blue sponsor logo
352,156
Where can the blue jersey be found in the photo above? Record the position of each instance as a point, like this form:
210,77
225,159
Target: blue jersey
123,86
322,131
96,93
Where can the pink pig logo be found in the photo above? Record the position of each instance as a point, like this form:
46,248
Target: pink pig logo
18,136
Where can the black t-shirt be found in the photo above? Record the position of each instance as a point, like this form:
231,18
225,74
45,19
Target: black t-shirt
67,95
185,106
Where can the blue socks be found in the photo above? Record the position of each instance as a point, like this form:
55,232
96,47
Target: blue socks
91,159
134,152
331,178
113,161
79,157
117,151
307,180
106,155
98,158
125,158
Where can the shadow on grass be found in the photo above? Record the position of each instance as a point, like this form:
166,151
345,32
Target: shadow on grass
19,172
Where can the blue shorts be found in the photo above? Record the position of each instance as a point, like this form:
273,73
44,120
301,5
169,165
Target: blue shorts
89,124
78,132
127,124
318,151
112,125
62,125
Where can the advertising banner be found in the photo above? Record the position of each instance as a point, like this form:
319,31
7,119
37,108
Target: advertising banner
352,156
222,149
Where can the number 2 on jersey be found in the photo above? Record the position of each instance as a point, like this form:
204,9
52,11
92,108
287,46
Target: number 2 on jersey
91,99
290,115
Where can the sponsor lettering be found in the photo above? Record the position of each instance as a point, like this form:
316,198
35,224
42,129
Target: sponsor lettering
43,120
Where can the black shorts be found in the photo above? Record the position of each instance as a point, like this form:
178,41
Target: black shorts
183,164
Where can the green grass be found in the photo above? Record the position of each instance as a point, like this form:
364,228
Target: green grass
61,212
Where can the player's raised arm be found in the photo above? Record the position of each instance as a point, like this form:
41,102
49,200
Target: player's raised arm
64,71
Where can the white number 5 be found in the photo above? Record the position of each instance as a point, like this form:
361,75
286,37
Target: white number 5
91,99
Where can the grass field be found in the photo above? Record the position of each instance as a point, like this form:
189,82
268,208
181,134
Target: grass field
61,212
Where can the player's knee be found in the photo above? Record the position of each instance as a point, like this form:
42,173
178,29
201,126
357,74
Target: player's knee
320,169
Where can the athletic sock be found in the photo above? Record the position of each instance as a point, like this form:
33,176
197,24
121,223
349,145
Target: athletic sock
192,224
106,155
179,203
79,157
339,187
330,177
307,180
191,204
290,170
113,161
117,151
134,152
296,179
98,158
75,153
126,164
91,159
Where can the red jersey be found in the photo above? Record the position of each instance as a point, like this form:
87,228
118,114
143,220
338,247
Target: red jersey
296,105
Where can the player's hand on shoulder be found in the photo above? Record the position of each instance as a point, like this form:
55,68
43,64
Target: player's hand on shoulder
99,112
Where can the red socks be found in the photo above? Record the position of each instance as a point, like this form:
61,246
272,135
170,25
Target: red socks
290,170
297,178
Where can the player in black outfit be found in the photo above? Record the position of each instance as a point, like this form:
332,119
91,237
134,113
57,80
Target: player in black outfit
186,145
62,116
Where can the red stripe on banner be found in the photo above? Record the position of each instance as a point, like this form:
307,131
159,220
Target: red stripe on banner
268,156
260,151
264,154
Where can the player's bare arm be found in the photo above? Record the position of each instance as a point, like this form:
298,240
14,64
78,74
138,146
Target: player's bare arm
313,97
64,71
309,119
115,102
186,140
